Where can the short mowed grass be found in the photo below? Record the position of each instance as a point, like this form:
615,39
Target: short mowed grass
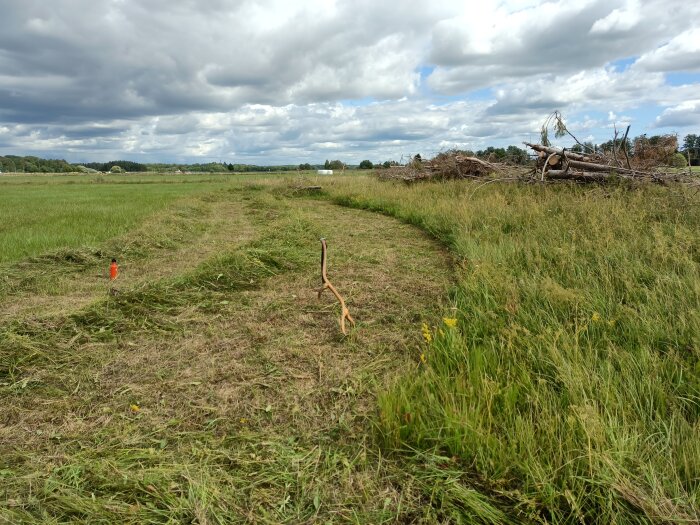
223,393
558,381
43,213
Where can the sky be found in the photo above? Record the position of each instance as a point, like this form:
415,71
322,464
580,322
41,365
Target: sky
287,82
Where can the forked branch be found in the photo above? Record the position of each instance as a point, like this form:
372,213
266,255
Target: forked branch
345,313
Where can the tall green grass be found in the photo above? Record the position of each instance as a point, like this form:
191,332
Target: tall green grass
569,389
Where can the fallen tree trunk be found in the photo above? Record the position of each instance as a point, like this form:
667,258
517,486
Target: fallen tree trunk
592,166
549,150
585,176
584,163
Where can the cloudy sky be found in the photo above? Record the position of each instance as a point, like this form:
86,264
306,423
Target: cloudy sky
282,81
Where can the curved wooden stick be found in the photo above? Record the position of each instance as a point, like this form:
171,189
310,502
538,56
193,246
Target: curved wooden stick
345,313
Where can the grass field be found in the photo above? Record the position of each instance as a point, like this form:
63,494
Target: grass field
71,211
535,358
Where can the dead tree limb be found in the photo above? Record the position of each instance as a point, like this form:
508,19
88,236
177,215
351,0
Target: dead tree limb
558,151
345,313
549,163
586,176
624,147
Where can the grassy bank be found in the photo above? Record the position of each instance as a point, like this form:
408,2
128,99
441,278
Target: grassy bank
565,385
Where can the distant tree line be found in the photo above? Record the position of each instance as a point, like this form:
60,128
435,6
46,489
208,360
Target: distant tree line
328,165
255,168
333,165
691,148
512,154
125,165
15,164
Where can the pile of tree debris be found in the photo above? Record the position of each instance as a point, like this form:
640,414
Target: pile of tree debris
560,164
446,166
651,161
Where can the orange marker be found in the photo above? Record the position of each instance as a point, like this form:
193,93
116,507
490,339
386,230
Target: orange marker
113,270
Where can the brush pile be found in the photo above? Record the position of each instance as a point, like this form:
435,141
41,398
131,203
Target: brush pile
445,166
559,164
649,154
644,160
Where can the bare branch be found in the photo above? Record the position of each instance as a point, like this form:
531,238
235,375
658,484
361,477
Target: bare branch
345,313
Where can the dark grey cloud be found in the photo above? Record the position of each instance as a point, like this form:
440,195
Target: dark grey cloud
116,59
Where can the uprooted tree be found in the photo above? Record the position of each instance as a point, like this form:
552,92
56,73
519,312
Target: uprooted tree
617,158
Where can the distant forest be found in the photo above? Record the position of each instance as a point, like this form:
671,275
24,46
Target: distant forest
13,163
16,164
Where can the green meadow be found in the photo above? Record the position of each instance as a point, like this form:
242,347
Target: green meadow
522,354
42,213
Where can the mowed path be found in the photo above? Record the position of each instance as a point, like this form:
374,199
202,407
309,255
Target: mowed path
170,242
254,408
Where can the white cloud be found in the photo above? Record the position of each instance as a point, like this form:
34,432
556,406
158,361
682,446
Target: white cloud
681,53
499,44
592,89
685,114
283,81
622,19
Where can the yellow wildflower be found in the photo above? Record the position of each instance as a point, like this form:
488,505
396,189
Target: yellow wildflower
611,322
426,333
595,317
450,322
135,408
422,358
243,421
